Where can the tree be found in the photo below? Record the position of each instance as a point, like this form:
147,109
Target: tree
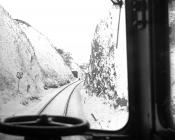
67,56
60,51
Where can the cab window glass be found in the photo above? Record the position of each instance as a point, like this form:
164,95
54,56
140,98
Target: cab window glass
46,46
172,53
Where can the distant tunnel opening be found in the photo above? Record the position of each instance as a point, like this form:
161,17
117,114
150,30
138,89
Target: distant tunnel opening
75,73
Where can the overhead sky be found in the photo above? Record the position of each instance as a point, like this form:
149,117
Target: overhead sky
69,24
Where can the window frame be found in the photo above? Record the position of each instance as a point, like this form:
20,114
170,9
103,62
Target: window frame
163,125
148,76
139,124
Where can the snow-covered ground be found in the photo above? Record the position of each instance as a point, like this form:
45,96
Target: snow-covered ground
26,106
101,114
97,111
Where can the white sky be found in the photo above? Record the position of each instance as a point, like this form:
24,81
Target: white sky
68,24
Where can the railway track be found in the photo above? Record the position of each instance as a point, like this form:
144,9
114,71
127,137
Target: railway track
67,104
59,101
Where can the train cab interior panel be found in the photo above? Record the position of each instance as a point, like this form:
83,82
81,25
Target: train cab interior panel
126,91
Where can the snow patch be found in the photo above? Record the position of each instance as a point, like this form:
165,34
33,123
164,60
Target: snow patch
101,114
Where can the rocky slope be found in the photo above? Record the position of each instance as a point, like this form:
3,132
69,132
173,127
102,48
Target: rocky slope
54,69
107,75
28,61
17,58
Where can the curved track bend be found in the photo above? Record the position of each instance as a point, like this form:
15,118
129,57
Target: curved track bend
59,104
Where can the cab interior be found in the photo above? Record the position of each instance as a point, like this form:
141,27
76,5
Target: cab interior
149,85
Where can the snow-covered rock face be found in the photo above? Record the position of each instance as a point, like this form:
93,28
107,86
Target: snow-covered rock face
17,55
104,76
51,63
28,61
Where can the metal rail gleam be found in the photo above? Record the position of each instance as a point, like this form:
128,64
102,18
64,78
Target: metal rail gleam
52,99
67,104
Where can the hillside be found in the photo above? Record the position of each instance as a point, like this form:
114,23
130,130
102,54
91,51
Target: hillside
107,75
17,55
52,65
105,96
28,62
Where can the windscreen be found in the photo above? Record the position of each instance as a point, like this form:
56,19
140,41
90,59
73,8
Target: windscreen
171,12
64,58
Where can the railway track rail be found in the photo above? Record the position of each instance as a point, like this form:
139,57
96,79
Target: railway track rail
67,104
42,110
